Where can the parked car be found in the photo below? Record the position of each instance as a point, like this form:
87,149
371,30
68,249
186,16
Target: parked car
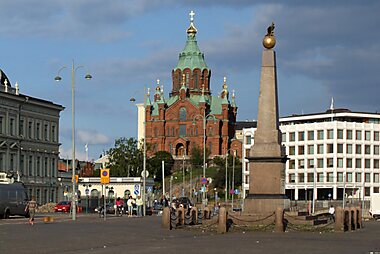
63,206
13,200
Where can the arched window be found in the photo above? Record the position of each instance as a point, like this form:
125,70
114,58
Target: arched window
182,114
195,78
187,79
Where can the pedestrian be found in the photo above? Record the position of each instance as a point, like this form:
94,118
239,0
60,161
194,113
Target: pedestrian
139,203
164,201
332,212
31,207
130,203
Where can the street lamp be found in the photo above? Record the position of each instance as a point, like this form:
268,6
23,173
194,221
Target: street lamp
58,78
87,192
204,118
183,173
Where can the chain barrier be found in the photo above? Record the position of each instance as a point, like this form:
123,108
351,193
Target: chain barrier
252,220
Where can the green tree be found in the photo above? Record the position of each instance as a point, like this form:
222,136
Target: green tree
220,178
125,159
155,164
196,157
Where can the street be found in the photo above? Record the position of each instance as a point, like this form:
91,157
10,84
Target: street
90,234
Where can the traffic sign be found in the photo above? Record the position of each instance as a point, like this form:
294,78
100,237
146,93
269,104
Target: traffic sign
150,188
105,176
237,191
137,189
146,173
232,191
203,189
204,180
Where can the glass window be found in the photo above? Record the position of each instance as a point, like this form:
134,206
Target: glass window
330,177
367,163
349,163
12,126
182,114
283,139
301,136
330,134
330,162
1,124
376,149
340,134
310,149
182,130
248,139
367,177
375,189
349,134
349,149
340,177
340,148
319,177
310,177
367,135
375,163
310,163
292,164
301,178
330,148
320,135
358,135
310,135
358,149
358,177
320,149
375,177
358,163
349,177
367,149
292,136
367,191
292,178
301,164
292,150
340,162
320,163
376,135
301,150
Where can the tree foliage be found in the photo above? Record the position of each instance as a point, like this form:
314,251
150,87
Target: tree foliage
196,157
220,178
155,164
125,159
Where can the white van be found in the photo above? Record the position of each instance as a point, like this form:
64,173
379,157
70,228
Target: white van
13,200
375,206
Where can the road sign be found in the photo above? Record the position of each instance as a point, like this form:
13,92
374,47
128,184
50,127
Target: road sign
146,173
105,176
232,191
150,188
237,191
203,189
137,189
204,180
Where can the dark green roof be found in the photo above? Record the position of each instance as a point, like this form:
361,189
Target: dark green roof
191,57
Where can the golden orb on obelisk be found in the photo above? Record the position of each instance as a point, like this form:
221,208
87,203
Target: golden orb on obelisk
269,40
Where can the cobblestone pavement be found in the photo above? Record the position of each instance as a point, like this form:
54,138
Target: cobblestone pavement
90,234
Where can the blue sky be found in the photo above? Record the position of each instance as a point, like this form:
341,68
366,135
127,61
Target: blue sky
324,49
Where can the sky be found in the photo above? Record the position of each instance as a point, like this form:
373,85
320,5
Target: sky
325,49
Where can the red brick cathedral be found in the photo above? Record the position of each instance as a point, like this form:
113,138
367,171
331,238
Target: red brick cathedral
191,116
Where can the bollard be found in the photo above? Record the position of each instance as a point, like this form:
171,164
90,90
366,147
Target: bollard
165,223
279,220
206,213
339,219
359,218
222,221
353,218
349,220
181,216
194,215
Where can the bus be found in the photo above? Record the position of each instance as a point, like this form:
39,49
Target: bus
13,200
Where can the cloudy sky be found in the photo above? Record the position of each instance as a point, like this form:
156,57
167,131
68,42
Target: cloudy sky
324,49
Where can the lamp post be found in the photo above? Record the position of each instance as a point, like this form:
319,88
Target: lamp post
204,118
58,78
87,192
233,179
183,173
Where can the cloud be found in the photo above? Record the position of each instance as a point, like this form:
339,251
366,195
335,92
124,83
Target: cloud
92,137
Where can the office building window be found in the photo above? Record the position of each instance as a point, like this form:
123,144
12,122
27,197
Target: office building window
301,136
376,135
310,163
340,162
375,189
349,177
38,131
358,163
53,133
292,136
375,177
367,191
320,163
12,126
46,131
310,177
330,177
320,149
283,137
330,148
310,149
320,135
358,177
320,177
367,177
358,149
340,177
367,163
301,150
358,135
367,149
38,166
310,135
375,163
301,178
248,140
301,164
292,178
349,148
340,148
340,134
292,150
30,166
21,128
349,163
349,134
330,162
46,167
376,149
292,164
367,135
330,134
30,130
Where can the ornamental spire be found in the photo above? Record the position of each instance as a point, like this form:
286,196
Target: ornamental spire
192,29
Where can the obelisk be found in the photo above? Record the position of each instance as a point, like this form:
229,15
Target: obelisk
267,158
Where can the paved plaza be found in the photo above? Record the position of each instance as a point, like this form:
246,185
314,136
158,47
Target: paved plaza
90,234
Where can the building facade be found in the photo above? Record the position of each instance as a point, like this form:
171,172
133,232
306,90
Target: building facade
332,153
29,140
191,115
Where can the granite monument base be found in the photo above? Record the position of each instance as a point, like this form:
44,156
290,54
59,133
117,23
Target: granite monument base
265,204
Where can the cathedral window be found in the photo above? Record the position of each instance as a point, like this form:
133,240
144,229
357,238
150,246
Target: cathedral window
187,79
195,78
182,114
182,130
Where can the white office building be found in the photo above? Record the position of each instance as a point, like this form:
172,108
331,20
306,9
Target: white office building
332,153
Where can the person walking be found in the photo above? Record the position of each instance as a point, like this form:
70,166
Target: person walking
31,206
332,212
130,203
139,203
